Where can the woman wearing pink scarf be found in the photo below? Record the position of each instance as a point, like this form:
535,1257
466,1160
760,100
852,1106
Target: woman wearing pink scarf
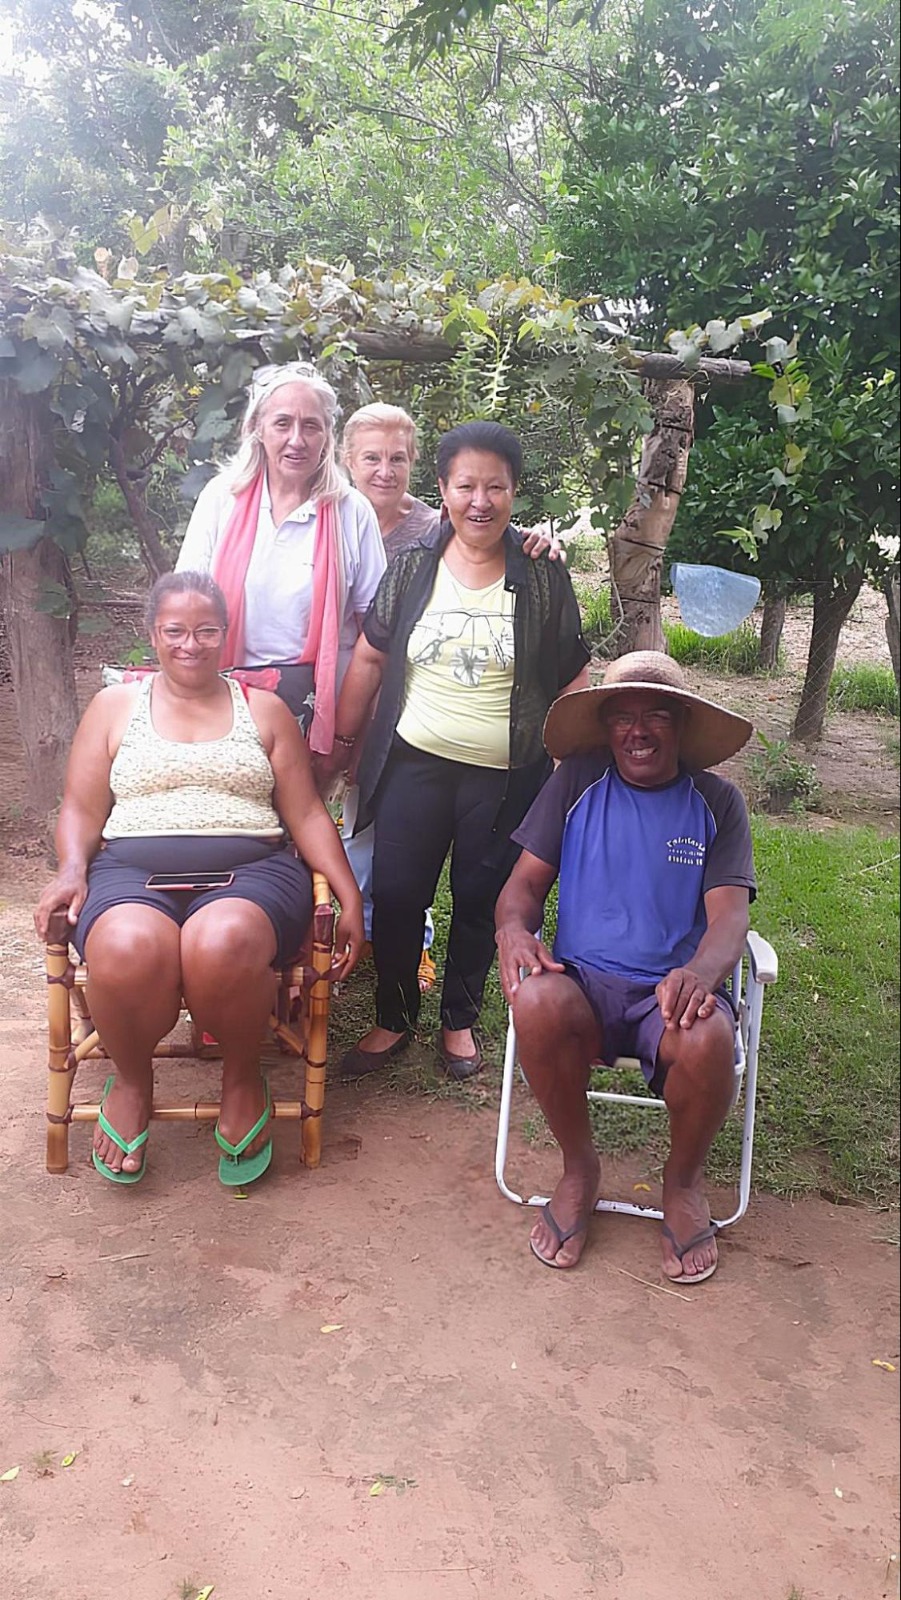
295,549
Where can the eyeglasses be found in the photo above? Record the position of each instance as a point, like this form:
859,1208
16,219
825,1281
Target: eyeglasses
622,721
208,636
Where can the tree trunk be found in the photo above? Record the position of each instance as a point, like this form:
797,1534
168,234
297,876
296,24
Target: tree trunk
156,557
40,644
831,604
771,625
893,622
640,540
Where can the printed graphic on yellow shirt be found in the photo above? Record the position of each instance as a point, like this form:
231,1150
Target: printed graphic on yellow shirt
465,641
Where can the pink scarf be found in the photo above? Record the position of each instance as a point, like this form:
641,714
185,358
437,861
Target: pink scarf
231,560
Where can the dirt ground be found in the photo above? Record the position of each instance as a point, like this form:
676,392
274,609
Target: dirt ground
359,1382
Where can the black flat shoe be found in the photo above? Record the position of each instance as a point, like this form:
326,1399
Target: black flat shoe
458,1067
357,1063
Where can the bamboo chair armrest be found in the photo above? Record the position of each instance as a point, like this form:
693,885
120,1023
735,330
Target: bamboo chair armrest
323,912
58,930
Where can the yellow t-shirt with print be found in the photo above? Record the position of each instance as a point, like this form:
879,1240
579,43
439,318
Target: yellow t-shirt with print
460,674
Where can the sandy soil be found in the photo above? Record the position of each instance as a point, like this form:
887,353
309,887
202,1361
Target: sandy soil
535,1434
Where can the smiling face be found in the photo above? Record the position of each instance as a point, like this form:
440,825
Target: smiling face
642,729
478,494
293,431
188,636
380,463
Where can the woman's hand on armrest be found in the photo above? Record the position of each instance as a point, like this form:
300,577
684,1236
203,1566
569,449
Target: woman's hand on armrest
66,893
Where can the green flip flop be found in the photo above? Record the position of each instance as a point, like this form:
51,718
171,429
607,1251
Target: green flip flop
127,1149
236,1169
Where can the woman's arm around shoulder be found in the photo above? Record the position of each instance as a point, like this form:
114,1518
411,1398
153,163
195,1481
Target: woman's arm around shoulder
307,820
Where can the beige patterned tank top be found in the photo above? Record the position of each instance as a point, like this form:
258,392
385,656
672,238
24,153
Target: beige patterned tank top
162,786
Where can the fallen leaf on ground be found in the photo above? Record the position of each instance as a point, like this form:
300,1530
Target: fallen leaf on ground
67,1460
204,1594
645,1186
376,1488
887,1366
11,1475
331,1327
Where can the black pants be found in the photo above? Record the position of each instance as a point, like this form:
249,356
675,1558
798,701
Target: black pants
424,807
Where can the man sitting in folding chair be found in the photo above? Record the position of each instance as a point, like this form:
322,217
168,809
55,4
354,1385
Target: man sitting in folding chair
653,856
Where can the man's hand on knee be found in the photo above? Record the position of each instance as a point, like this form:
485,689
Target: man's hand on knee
684,998
520,952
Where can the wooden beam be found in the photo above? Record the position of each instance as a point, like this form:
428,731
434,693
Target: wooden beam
430,350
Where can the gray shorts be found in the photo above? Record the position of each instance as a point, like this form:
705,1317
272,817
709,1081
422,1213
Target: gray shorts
269,875
628,1017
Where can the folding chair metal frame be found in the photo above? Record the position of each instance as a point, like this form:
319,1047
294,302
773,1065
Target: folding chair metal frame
758,968
299,1023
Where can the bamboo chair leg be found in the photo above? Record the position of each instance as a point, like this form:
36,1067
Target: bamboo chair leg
61,1062
317,1029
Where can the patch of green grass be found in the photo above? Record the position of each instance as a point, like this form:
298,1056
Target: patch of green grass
864,687
729,652
780,780
597,616
584,551
828,1091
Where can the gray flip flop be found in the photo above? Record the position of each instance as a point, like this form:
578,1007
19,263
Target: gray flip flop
561,1237
681,1250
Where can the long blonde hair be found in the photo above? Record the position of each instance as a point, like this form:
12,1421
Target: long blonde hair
378,415
329,482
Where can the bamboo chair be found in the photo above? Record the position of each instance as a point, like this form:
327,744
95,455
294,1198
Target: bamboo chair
750,979
299,1025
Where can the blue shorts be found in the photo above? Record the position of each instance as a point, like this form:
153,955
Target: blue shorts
267,872
628,1017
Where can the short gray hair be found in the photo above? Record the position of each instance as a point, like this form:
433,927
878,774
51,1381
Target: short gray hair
184,583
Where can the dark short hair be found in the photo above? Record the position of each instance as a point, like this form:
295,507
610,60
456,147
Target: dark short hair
184,583
491,437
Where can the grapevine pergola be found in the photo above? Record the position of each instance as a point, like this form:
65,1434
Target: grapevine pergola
99,375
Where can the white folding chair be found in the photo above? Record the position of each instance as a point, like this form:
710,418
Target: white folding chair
758,968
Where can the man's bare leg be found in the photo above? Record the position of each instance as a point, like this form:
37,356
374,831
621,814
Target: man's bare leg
698,1092
558,1037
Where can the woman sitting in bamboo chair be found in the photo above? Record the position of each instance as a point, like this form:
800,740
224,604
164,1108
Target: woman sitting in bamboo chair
186,774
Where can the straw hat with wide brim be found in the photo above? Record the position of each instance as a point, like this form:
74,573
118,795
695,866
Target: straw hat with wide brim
709,733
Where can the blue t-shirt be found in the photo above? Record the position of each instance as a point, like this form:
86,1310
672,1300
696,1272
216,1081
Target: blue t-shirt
634,864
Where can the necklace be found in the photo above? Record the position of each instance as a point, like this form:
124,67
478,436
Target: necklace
464,595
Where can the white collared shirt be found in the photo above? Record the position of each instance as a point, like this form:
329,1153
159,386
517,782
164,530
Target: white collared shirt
278,590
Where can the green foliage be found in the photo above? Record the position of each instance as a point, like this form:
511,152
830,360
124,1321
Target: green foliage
149,373
780,780
268,131
864,687
729,652
745,158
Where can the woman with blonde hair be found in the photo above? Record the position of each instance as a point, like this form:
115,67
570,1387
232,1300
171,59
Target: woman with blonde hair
295,549
379,449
